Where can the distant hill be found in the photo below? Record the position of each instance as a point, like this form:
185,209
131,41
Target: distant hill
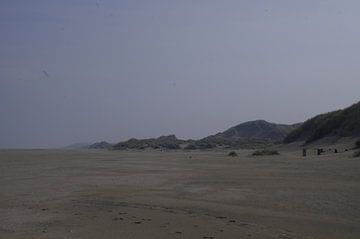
251,134
340,123
78,146
100,145
258,129
163,142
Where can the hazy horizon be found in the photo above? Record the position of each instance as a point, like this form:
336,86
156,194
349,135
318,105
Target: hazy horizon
86,71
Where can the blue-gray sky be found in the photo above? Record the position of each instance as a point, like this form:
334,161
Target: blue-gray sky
84,70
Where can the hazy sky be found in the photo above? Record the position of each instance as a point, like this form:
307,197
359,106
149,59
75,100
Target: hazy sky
83,70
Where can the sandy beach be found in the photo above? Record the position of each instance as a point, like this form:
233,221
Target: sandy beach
152,194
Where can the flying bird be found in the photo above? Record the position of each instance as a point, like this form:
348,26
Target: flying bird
46,74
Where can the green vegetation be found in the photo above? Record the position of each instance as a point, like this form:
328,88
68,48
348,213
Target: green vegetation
339,123
265,152
232,154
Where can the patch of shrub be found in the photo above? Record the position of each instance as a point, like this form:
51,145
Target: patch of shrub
265,152
357,144
232,154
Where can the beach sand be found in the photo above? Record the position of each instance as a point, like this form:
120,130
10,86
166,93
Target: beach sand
151,194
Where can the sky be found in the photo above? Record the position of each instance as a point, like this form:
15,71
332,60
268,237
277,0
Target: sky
85,70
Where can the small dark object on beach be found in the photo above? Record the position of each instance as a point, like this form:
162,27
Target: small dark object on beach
318,151
232,154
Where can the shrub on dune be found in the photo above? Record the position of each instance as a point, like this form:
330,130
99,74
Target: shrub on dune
265,152
357,144
232,154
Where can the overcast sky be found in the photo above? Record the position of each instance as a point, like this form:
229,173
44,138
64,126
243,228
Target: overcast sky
83,70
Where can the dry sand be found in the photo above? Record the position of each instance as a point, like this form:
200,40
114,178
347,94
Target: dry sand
114,194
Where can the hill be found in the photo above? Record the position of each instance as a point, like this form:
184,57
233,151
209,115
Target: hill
258,129
78,146
251,134
100,145
339,123
163,142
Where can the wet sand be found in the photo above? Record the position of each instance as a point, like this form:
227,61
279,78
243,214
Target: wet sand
116,194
